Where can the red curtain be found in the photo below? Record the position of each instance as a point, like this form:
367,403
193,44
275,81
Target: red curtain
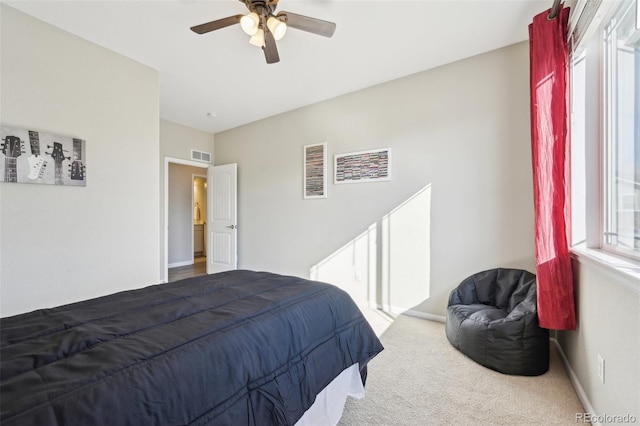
549,71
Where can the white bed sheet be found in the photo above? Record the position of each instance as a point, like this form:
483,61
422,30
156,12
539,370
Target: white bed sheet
329,405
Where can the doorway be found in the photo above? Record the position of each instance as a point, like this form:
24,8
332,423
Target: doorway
220,215
200,224
185,184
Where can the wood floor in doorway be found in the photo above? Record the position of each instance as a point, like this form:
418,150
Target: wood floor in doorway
198,268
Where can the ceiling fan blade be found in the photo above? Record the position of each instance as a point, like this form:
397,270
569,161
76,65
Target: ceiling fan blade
270,48
305,23
216,25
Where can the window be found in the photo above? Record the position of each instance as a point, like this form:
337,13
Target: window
622,132
605,128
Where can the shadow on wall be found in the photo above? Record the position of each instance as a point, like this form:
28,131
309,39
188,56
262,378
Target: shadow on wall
387,266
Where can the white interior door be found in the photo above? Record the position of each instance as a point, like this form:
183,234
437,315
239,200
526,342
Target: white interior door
223,227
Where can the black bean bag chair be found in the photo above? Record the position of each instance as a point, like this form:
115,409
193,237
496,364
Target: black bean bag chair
492,317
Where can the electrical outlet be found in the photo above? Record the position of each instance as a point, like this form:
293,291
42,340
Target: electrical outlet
358,276
601,368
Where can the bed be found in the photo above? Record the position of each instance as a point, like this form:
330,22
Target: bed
234,348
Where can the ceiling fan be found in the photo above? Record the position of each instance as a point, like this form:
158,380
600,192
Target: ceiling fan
265,27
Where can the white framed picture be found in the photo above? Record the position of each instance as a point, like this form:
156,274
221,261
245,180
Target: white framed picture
363,166
315,170
36,157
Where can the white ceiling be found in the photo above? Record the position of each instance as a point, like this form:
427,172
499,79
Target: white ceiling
218,81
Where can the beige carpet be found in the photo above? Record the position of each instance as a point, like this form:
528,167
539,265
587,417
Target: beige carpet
420,379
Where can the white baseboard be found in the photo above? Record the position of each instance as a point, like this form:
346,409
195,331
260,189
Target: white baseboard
577,386
185,263
424,315
394,310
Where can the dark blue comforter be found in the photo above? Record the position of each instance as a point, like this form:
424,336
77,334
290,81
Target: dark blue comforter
235,348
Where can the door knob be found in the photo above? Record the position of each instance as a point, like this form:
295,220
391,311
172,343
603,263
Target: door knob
232,227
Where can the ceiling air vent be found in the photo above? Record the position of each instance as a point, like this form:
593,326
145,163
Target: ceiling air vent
201,156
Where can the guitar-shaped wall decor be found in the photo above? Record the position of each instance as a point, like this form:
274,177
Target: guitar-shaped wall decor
12,149
58,157
37,163
36,166
77,171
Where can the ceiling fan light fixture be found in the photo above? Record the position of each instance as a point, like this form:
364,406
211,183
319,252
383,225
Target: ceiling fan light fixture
277,27
258,38
265,27
249,23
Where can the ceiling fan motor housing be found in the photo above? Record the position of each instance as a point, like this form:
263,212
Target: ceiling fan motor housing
263,8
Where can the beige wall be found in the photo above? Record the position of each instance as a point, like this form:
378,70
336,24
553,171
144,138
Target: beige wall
462,128
177,140
64,244
608,316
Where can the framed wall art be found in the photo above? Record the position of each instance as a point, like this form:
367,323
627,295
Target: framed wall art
28,156
363,166
315,171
